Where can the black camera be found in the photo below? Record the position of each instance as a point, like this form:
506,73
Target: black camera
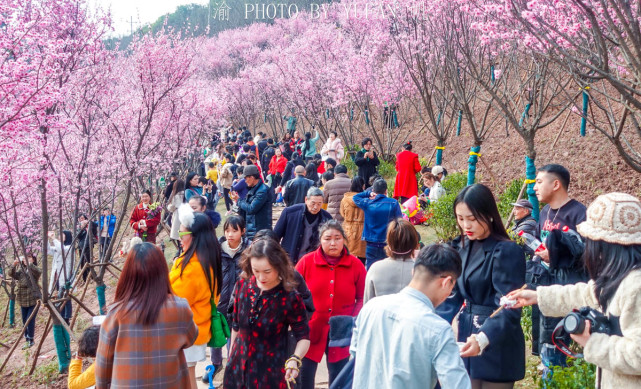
574,322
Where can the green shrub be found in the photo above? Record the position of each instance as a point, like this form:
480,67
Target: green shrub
387,169
526,322
509,195
443,220
578,375
352,169
455,182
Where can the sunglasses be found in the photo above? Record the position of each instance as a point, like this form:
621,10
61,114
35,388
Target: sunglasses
183,233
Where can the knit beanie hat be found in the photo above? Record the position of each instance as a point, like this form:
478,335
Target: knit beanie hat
613,218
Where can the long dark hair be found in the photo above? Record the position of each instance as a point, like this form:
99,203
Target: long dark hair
307,146
608,264
480,200
311,172
143,286
277,257
190,176
179,186
206,247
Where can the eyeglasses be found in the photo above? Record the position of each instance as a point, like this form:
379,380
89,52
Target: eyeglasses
183,233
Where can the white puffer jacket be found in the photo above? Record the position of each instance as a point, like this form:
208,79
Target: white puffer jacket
618,357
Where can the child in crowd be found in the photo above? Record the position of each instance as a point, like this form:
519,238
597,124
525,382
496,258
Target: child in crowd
87,346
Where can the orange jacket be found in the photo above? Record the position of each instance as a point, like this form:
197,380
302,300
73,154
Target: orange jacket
192,286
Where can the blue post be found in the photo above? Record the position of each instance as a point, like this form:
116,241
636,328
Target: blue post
439,154
102,302
471,168
525,114
492,77
395,118
327,112
584,113
351,114
265,118
62,341
438,119
367,116
12,313
458,123
530,176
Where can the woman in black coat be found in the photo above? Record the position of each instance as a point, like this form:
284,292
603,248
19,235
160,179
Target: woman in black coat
493,265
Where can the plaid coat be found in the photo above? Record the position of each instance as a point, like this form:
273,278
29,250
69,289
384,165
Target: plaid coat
25,295
131,355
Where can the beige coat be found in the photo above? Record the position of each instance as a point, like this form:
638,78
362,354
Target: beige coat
226,176
618,357
333,193
353,223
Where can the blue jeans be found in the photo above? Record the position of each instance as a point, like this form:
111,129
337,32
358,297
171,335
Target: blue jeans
31,327
373,253
550,357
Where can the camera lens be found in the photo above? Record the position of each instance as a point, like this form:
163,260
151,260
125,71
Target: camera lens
574,323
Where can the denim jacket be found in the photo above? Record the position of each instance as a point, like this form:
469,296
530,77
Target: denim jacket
378,213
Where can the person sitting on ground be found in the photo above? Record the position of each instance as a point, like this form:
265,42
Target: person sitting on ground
296,189
434,188
334,191
379,210
393,273
424,349
87,346
297,227
440,172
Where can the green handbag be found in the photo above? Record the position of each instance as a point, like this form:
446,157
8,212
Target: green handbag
219,328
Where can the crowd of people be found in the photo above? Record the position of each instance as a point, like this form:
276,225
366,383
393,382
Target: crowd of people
343,274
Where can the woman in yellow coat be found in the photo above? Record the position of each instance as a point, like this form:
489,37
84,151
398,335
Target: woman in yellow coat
195,276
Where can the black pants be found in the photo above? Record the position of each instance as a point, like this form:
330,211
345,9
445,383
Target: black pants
104,245
31,328
65,310
228,202
85,257
275,183
308,371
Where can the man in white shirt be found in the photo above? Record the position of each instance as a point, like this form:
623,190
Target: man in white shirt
400,342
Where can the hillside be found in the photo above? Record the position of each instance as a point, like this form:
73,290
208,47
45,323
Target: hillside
193,20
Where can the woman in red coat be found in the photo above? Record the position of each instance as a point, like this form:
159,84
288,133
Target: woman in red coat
276,169
144,220
407,166
336,280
